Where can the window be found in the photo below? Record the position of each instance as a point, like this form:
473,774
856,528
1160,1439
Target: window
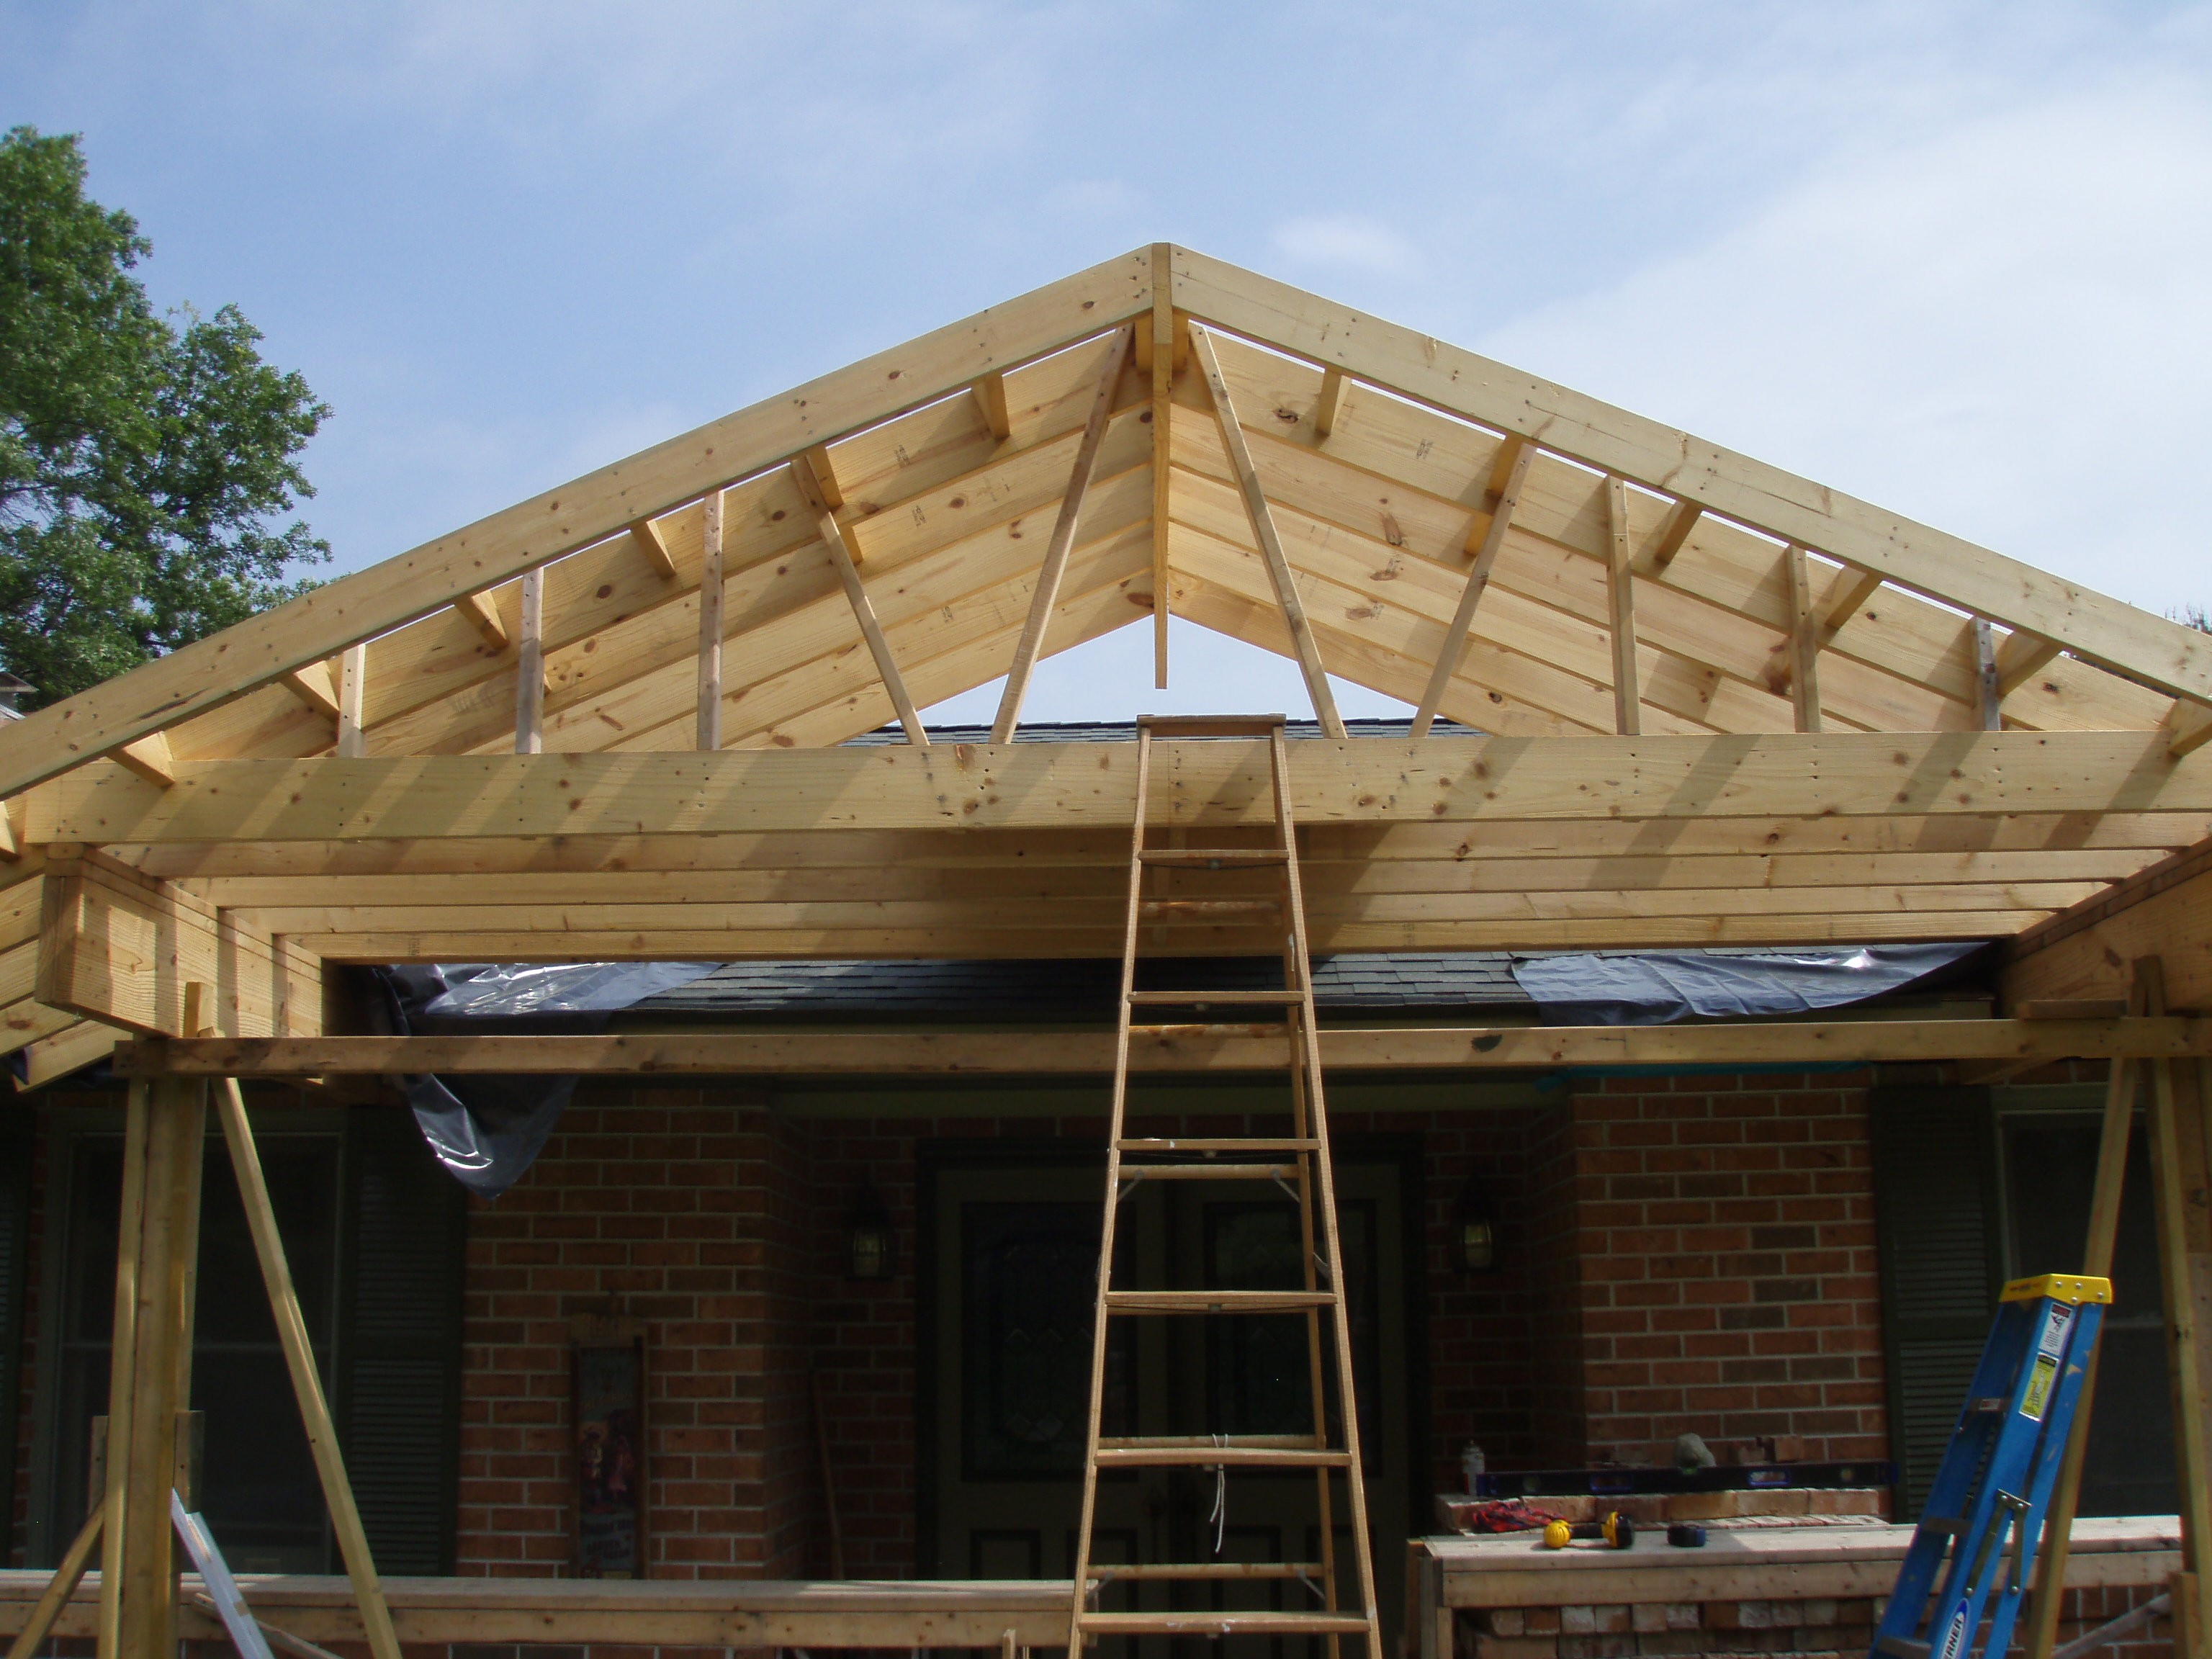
373,1230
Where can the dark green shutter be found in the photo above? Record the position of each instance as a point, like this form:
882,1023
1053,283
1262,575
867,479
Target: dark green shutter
15,1225
1935,1215
399,1365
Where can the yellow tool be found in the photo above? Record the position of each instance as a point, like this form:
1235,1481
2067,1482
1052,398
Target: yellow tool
1618,1531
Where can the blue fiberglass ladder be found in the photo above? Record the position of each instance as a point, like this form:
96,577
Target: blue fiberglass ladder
1984,1512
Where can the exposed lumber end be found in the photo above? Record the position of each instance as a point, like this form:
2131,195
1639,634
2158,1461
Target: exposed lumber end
2164,911
646,535
2190,727
133,952
70,1049
484,616
311,683
149,758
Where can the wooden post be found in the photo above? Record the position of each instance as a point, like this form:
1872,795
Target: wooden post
306,1382
353,680
2120,1091
2177,1167
1162,365
1620,595
710,625
150,1374
529,667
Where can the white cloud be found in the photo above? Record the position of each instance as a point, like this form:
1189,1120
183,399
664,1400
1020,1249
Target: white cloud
1998,329
1347,240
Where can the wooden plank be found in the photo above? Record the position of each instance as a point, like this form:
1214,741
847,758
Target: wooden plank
833,538
1372,780
307,1376
645,536
352,679
26,1022
1307,654
1786,1044
1620,593
2117,635
121,947
1806,639
311,683
2164,911
710,726
1674,535
150,757
1523,455
70,1049
1032,643
1162,368
320,623
529,667
481,614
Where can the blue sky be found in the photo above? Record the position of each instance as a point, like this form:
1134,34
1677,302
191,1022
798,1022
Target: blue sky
1950,258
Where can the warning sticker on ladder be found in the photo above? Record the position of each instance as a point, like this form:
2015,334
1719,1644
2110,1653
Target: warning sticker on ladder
1953,1638
2037,1400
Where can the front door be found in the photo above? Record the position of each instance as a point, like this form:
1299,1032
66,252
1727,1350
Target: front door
1016,1248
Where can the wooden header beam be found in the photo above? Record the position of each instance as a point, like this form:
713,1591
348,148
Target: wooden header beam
1783,1046
1368,780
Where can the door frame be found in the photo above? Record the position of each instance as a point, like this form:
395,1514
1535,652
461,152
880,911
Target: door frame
1405,1152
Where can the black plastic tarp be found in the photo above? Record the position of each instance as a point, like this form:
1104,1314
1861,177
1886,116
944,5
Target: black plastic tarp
487,1129
1657,987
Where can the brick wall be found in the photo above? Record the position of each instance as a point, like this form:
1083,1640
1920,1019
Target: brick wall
1726,1279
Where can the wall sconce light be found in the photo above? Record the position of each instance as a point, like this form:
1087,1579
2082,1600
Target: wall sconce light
872,1242
1474,1230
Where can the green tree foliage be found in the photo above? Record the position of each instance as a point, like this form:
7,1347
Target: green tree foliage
143,463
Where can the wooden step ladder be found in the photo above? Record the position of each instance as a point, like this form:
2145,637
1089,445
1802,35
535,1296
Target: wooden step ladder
1299,1162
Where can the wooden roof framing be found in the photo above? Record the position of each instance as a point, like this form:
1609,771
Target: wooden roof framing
1729,704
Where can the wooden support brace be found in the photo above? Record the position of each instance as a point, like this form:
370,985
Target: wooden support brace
646,536
1621,595
1325,405
991,396
2021,658
482,615
149,758
311,683
1681,519
353,683
1162,367
826,476
1303,644
11,849
2191,724
1806,640
529,667
710,625
1860,585
62,1585
1988,700
832,533
307,1380
1519,454
1030,646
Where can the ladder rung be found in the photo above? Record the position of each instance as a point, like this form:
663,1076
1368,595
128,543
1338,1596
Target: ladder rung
1215,999
1196,1570
1224,1302
1206,857
1217,1442
1210,725
1951,1524
1222,1623
1219,1171
1213,1145
1235,1458
1902,1647
1206,910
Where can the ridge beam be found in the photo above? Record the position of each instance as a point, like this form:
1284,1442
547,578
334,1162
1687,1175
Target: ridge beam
1030,646
1517,464
833,535
1303,643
